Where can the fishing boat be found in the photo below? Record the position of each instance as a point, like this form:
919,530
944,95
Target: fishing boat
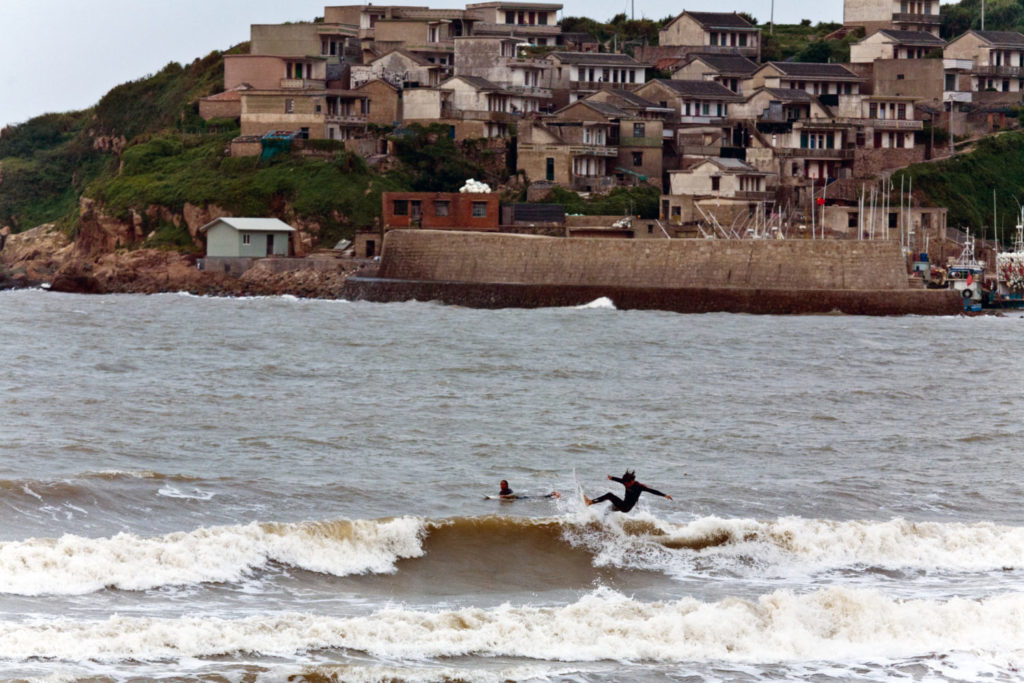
1009,292
966,276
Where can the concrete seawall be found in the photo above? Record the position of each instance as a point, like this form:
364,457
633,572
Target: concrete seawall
748,276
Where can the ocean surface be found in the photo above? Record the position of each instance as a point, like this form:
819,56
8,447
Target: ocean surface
272,489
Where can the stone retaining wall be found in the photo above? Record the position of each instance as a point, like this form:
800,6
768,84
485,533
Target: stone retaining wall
687,276
757,264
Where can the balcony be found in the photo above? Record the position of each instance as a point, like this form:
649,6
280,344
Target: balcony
806,153
894,124
593,151
530,91
486,28
346,119
956,96
958,64
597,85
630,141
700,150
303,83
746,51
532,62
483,115
700,120
908,18
1000,70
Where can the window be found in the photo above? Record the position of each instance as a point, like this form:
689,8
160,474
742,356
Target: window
550,168
901,112
638,158
441,208
364,107
246,238
873,110
899,77
289,106
542,18
851,219
401,207
743,40
510,17
716,183
479,209
638,130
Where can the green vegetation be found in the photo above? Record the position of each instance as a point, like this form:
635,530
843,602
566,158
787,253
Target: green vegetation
639,201
1000,15
965,183
806,43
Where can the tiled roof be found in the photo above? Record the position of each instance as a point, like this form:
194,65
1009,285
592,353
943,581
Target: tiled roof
721,20
605,109
727,63
913,37
789,94
632,98
697,88
477,82
814,70
594,58
1002,37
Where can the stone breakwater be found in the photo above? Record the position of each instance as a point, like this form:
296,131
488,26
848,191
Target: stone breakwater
690,276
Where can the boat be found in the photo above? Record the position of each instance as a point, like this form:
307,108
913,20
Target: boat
1009,291
966,276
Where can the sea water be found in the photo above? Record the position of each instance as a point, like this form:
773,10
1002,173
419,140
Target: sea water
282,489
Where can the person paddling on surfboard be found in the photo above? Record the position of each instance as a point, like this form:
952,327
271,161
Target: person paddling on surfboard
507,493
633,491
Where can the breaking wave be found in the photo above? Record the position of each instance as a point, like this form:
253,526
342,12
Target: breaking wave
843,623
566,551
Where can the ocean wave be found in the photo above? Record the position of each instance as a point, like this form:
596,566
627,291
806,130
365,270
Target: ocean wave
835,624
72,564
600,302
533,553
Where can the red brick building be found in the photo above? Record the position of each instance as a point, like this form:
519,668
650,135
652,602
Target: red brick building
441,210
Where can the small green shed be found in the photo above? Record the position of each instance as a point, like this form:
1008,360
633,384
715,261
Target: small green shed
247,237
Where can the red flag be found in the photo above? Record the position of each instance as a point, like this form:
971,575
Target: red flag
821,201
970,279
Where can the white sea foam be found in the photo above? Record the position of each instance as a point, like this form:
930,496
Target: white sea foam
794,545
601,302
76,565
175,492
835,624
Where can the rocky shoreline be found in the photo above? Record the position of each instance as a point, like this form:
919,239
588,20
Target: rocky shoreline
45,256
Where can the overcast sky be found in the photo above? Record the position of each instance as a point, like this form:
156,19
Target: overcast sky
63,55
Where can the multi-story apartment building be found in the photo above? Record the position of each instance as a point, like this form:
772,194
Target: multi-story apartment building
711,32
532,22
997,63
903,15
815,78
890,43
497,59
729,70
574,75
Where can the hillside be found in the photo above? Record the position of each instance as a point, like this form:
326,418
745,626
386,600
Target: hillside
144,157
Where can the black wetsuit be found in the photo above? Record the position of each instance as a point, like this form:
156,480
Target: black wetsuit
505,492
632,496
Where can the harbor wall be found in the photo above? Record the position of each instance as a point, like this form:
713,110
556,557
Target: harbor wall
752,276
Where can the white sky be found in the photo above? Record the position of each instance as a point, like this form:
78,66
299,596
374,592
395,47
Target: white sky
63,55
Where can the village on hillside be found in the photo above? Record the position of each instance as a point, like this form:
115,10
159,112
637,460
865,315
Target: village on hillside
736,145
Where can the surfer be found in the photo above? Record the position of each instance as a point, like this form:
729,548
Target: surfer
506,493
633,491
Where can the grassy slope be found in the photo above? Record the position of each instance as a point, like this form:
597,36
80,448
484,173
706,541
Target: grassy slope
965,183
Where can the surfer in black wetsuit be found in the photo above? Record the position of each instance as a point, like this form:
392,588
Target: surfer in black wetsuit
633,491
507,493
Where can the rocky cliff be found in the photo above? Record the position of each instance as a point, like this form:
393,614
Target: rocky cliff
98,260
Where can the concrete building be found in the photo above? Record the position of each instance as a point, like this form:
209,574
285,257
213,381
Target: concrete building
533,22
890,43
231,237
441,210
497,59
573,154
402,69
903,15
577,74
816,78
271,72
729,70
711,32
323,114
725,190
997,62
